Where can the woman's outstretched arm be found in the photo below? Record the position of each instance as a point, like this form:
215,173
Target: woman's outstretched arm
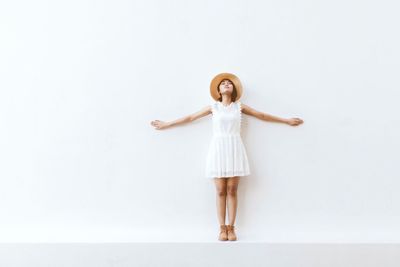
268,117
159,125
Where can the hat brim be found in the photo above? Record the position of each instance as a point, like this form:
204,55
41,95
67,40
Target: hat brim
218,78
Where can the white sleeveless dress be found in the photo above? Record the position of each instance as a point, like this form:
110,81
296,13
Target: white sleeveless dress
227,155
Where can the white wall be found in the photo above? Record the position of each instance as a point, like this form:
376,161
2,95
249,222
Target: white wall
81,81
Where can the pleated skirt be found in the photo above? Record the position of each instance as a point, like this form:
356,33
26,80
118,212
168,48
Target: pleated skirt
227,157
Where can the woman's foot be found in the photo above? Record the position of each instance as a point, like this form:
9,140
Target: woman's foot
223,234
231,232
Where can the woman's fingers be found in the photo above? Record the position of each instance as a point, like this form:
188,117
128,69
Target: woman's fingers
157,124
295,121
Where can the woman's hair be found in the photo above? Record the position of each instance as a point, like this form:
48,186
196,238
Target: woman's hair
234,92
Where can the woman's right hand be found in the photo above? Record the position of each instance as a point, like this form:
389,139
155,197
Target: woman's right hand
159,125
294,121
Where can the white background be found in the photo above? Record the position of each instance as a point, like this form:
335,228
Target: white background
80,82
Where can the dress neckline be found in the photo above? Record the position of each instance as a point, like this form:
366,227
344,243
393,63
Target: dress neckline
224,105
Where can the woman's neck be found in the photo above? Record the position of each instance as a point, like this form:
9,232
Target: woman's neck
226,100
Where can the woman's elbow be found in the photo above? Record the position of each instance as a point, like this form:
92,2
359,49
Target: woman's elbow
189,119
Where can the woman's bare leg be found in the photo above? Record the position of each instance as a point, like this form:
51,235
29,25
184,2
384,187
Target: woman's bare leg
221,187
232,186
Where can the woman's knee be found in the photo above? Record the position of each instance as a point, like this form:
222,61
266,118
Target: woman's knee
221,191
220,185
232,190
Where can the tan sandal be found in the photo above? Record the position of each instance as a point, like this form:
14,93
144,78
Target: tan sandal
231,232
223,235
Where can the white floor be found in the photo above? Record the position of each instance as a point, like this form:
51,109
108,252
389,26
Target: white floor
199,254
47,233
56,246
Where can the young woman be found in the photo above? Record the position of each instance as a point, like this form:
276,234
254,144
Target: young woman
227,158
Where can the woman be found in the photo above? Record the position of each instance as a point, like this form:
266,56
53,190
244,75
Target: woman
226,159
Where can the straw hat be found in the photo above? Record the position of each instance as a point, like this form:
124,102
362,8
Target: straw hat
217,79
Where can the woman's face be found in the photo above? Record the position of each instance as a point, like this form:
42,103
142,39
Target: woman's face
226,87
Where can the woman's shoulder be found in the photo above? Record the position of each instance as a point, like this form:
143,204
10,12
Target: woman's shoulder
214,106
216,103
238,105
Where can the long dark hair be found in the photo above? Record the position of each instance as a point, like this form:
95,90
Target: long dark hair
234,92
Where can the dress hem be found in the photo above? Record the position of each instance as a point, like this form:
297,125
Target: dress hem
228,176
